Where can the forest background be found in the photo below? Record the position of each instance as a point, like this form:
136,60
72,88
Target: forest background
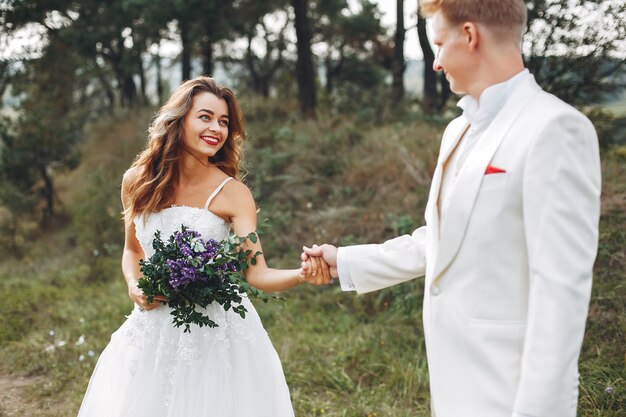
343,131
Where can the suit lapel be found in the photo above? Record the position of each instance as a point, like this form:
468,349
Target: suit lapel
472,174
432,210
457,134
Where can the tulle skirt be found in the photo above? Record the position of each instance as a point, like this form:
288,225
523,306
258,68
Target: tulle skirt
152,369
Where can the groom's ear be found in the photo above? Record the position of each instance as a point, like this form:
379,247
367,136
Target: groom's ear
470,34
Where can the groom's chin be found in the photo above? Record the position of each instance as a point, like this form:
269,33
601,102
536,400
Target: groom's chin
456,90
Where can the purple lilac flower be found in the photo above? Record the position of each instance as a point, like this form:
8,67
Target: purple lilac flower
185,250
212,245
209,254
182,241
182,272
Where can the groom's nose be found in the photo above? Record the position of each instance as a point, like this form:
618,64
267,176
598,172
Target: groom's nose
436,65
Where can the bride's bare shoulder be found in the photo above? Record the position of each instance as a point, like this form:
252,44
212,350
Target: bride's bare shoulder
237,191
237,196
131,175
233,200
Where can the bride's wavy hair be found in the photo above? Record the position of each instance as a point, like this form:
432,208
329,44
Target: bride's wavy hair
158,164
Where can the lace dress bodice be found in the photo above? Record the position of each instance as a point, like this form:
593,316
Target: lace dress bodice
170,220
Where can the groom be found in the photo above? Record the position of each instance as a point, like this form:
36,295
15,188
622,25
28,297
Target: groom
511,229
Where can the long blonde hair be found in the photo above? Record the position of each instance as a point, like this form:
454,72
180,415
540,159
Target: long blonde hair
157,165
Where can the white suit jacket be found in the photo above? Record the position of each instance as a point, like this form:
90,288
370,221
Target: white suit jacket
508,274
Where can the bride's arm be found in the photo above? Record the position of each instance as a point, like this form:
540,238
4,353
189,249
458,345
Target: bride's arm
133,253
244,219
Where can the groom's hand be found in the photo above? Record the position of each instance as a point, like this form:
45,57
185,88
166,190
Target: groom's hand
326,258
314,270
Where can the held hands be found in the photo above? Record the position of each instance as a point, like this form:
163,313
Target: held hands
319,264
135,294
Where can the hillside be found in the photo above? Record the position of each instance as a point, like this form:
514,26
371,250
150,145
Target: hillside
351,178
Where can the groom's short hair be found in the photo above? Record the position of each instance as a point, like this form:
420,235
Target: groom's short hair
500,15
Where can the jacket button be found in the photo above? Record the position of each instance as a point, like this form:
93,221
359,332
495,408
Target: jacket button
435,291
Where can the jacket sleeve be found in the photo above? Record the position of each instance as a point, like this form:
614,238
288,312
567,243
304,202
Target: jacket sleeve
561,206
376,266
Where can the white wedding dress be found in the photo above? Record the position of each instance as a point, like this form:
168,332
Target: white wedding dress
152,369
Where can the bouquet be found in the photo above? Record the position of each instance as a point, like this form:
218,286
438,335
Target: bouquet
191,272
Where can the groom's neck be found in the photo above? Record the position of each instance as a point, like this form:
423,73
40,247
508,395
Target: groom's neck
496,65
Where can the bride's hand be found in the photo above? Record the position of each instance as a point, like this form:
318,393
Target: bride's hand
139,298
315,270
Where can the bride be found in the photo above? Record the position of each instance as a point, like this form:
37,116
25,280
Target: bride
188,175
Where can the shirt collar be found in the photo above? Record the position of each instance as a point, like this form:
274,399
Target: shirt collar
482,111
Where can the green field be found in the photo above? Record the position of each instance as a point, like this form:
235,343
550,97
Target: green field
342,179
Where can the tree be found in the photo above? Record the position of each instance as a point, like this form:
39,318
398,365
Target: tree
17,204
45,137
263,69
110,37
102,34
304,68
430,99
436,86
183,27
201,24
221,27
575,48
398,64
264,26
5,77
351,34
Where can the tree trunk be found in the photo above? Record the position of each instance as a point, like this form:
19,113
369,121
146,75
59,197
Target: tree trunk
48,193
142,80
125,82
265,86
186,53
13,231
129,89
107,91
304,67
397,66
254,76
429,102
159,81
5,78
207,57
329,75
444,91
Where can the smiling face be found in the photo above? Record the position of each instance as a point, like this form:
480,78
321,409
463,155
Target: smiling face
453,54
205,126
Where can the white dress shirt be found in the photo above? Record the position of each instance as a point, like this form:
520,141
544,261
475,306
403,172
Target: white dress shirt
479,113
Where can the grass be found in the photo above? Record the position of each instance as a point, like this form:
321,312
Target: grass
342,179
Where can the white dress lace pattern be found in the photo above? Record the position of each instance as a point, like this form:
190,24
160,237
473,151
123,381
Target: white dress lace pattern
152,369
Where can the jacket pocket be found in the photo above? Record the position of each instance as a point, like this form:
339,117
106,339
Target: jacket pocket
494,181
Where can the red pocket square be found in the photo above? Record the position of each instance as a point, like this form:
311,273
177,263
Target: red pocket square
493,170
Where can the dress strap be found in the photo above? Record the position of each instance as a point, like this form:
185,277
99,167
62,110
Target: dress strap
214,193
